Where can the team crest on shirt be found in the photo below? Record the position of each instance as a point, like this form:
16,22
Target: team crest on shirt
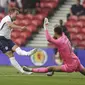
39,58
6,47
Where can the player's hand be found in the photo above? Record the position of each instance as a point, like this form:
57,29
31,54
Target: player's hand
23,28
46,23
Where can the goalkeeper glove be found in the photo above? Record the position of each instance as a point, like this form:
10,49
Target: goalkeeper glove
46,23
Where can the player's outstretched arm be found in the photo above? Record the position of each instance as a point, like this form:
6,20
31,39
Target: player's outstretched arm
13,26
46,23
48,36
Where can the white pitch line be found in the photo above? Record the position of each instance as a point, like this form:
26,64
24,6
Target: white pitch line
30,75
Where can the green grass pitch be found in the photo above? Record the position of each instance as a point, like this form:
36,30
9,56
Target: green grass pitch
9,76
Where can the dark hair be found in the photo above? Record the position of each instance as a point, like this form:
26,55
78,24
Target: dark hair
14,9
58,30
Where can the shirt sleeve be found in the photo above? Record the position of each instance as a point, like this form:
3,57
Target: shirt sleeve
51,39
6,19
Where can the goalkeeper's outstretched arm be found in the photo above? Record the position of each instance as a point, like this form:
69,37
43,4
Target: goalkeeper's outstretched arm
48,36
46,29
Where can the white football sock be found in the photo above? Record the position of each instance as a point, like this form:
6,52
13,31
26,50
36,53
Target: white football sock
19,51
31,52
16,65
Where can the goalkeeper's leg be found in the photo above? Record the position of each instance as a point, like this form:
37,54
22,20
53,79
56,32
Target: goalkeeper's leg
44,69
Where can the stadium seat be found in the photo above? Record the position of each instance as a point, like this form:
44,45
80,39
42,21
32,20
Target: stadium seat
15,33
57,1
29,34
79,37
82,18
73,18
83,34
76,38
83,3
79,24
25,22
17,22
20,37
83,30
35,22
73,30
50,4
70,24
72,36
82,44
28,16
37,4
20,16
25,34
44,11
32,28
75,42
39,16
20,41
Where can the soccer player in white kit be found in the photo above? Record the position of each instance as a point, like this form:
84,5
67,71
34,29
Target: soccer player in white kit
6,44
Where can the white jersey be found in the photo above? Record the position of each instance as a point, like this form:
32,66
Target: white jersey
4,29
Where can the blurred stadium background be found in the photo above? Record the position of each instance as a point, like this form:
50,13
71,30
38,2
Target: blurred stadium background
32,14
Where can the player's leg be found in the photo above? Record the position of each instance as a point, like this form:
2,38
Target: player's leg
5,47
58,60
11,45
19,51
54,69
44,69
81,69
14,63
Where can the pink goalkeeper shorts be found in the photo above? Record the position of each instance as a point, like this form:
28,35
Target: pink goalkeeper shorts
74,67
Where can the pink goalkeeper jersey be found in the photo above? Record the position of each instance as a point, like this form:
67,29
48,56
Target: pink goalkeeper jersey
64,47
